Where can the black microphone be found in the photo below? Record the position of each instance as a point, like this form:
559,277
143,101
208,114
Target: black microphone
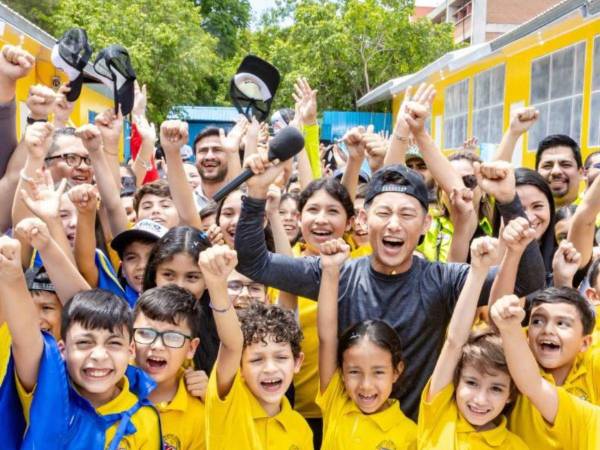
286,143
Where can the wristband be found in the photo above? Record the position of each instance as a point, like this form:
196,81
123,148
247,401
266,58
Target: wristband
400,137
219,310
31,120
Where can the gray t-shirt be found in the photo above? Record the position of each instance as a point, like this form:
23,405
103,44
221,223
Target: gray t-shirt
418,303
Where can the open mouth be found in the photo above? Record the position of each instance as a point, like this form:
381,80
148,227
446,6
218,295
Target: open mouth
478,411
80,178
321,234
393,243
547,346
272,385
92,372
363,398
156,362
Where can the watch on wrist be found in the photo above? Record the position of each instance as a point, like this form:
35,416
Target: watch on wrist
31,120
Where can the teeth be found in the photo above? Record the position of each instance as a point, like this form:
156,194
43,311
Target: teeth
97,372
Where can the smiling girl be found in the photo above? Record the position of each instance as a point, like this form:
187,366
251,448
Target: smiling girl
358,372
463,403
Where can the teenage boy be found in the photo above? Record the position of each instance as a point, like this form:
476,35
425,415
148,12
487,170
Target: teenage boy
571,423
414,296
259,355
76,393
164,340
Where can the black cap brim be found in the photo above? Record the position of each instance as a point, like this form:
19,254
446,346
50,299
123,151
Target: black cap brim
75,86
123,239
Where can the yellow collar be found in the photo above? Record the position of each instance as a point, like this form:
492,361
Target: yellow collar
385,420
258,412
494,437
180,400
121,402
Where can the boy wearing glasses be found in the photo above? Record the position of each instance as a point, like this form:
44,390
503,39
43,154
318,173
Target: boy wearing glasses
164,340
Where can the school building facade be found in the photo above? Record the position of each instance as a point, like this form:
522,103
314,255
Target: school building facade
551,62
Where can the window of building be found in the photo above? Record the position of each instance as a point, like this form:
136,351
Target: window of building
557,92
488,105
594,133
456,111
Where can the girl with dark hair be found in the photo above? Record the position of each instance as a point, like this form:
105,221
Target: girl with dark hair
326,212
357,372
174,260
290,215
538,204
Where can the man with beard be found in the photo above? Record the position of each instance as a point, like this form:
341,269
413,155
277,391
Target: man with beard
558,160
211,161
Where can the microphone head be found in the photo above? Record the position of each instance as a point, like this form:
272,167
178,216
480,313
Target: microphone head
286,143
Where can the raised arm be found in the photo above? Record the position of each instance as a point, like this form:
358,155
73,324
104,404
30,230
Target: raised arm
417,112
565,263
465,220
516,236
85,199
216,263
484,252
299,276
399,142
356,155
62,107
19,311
64,275
110,126
583,224
333,255
173,135
143,160
109,190
521,121
508,314
231,146
306,107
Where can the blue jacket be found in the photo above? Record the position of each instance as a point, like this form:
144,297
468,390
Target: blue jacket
11,412
60,418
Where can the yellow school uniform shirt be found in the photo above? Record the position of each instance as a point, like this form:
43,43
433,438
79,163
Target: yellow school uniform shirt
145,420
345,427
4,349
306,382
583,382
182,420
441,426
596,332
240,422
577,423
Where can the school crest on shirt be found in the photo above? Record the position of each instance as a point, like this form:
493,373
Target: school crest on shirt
386,445
171,442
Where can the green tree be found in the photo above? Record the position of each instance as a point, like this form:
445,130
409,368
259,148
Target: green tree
225,20
37,11
346,48
170,52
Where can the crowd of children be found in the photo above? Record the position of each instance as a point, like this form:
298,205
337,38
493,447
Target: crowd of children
429,302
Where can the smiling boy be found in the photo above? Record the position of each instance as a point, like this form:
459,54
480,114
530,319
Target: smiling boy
559,335
164,340
78,392
258,357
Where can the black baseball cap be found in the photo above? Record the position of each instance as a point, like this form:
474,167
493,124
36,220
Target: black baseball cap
253,87
113,66
71,54
37,280
398,178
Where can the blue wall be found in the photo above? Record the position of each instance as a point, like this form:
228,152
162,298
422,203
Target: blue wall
336,123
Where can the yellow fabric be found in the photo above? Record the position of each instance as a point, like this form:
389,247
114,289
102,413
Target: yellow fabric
345,427
239,421
182,420
4,349
577,423
583,382
359,252
441,426
145,419
306,381
311,146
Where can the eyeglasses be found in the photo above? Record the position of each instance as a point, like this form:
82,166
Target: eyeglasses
595,165
147,336
72,159
256,290
470,181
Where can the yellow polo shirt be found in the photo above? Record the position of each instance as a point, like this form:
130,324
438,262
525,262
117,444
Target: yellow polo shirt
182,420
345,427
4,349
582,382
577,423
145,419
596,332
441,426
239,421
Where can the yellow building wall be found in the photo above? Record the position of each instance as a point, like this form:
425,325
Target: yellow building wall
44,73
518,57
